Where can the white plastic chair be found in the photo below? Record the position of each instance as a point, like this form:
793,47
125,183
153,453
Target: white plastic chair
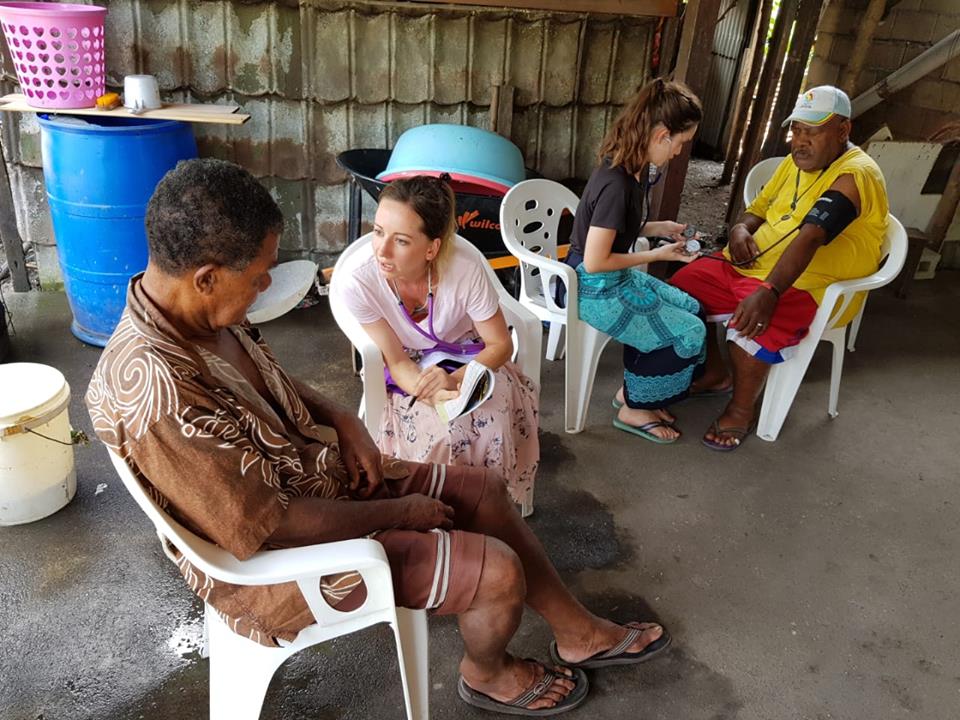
757,177
241,669
784,379
529,219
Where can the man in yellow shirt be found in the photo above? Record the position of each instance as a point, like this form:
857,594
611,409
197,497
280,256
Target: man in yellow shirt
821,218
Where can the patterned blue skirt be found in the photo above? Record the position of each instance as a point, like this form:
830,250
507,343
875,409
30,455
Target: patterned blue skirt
661,328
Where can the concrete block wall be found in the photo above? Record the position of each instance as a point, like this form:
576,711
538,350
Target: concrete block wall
910,28
916,112
319,77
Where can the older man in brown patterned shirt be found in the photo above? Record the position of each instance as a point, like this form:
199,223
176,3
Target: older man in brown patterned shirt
243,455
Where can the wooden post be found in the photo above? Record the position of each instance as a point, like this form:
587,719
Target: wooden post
501,110
808,16
9,235
693,68
945,210
745,97
865,32
760,116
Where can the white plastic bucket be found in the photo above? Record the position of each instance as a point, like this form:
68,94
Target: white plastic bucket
37,473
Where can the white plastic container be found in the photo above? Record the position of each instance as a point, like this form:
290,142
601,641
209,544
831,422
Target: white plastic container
291,281
37,474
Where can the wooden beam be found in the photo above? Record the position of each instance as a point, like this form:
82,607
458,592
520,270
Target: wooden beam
866,29
745,100
945,210
9,235
763,105
693,68
804,32
655,8
194,112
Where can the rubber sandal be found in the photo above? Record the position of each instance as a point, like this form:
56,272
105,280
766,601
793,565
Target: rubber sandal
617,405
739,434
618,655
518,706
644,430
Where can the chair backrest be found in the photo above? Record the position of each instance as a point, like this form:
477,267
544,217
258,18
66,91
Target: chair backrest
203,555
530,219
341,314
757,177
893,251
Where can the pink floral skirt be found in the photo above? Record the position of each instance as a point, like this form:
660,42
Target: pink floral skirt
501,434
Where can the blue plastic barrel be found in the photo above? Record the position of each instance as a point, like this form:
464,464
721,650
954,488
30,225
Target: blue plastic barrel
100,173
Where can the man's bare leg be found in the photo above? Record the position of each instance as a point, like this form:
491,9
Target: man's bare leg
749,375
489,624
716,375
579,633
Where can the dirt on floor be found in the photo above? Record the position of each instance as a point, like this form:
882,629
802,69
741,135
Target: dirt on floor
704,202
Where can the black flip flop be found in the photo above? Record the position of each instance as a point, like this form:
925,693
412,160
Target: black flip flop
737,434
618,655
518,706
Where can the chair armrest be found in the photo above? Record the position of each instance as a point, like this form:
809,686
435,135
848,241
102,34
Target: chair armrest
374,399
271,567
838,296
529,332
306,566
550,268
374,387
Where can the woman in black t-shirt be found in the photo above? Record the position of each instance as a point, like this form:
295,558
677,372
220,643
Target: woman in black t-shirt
661,328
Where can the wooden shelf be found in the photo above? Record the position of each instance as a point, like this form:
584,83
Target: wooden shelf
194,113
654,8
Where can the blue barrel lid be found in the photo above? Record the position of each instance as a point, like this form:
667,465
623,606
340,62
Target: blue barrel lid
105,124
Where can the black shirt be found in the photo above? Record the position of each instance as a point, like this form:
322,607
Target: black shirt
612,199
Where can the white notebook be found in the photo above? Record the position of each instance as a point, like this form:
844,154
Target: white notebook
476,387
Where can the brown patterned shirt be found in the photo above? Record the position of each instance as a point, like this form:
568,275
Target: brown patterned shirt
215,455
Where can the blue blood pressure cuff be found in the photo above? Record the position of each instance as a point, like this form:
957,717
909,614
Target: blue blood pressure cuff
833,211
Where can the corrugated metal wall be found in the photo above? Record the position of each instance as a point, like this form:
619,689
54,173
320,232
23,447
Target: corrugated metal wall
729,42
322,77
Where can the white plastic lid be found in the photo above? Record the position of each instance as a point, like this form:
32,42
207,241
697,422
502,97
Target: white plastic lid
291,281
29,390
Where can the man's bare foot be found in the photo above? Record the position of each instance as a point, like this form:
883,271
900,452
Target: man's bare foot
635,417
711,384
516,677
733,417
603,637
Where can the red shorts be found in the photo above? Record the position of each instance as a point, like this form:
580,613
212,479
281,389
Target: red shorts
720,288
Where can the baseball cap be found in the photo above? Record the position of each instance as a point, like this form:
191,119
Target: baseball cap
819,104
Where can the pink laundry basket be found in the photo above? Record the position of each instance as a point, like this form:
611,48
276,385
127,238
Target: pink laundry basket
57,50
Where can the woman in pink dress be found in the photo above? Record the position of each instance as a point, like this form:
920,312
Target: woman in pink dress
414,292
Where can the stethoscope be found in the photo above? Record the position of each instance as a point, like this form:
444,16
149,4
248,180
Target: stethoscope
464,348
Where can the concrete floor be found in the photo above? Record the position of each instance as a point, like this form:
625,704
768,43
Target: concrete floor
811,578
